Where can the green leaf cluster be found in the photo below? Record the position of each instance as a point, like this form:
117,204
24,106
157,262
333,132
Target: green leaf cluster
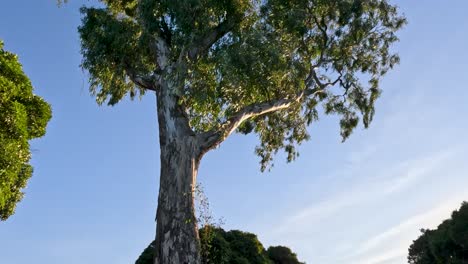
282,255
23,116
448,244
236,247
112,43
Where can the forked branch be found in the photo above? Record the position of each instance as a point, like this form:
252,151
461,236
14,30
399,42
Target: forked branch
204,43
144,82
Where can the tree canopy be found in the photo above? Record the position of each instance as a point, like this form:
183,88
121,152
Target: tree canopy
249,66
23,116
448,244
233,247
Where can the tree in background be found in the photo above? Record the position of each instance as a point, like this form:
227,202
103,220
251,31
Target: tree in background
224,66
147,256
282,255
23,116
233,247
419,251
448,244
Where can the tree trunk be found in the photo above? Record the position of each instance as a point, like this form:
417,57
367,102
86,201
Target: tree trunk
177,240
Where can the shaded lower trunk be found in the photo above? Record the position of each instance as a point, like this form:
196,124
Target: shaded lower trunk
177,240
176,234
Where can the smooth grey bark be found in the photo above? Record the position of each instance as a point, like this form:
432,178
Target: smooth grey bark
177,240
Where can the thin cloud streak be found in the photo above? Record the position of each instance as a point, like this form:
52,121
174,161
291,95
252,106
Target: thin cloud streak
400,236
389,183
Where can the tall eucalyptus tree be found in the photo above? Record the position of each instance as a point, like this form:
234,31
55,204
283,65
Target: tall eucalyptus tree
223,66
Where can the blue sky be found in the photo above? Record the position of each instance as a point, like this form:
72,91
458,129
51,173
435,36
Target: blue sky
92,198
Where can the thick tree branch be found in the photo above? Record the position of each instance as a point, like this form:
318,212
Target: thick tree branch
162,51
212,139
165,32
145,82
312,78
204,42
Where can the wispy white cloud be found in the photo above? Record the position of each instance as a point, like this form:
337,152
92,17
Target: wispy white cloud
399,177
388,257
392,244
359,211
359,156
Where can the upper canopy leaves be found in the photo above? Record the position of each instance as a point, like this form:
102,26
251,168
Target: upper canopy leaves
23,116
231,56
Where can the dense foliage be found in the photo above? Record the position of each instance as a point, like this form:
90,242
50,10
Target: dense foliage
233,247
282,255
23,116
225,57
448,244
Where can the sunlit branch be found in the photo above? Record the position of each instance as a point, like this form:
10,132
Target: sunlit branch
212,139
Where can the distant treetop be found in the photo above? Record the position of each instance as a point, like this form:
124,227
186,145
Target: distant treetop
447,244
